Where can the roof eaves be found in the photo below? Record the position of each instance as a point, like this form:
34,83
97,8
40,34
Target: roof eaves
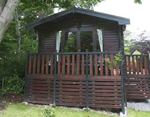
50,18
120,20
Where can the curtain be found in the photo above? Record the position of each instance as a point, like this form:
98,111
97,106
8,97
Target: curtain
100,39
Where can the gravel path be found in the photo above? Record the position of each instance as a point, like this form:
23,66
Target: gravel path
145,105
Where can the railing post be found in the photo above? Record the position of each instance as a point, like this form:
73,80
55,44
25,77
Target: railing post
26,78
55,76
148,60
123,86
87,88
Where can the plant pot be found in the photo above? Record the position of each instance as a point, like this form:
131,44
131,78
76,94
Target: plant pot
116,72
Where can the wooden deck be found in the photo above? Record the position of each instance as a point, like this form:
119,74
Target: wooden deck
137,80
77,80
85,79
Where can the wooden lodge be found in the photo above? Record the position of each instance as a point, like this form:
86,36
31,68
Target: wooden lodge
70,68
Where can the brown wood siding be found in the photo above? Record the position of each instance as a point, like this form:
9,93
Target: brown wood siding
110,30
110,39
71,91
47,42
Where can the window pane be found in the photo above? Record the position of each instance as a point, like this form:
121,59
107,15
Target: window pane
86,40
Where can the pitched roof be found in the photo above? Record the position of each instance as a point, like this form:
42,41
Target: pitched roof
120,20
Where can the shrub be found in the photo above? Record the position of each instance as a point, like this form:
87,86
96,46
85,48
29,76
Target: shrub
49,112
14,84
116,60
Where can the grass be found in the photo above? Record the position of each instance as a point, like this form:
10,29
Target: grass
135,113
21,110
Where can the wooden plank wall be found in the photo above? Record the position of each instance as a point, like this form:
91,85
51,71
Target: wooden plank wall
137,87
103,93
71,91
137,80
40,89
47,42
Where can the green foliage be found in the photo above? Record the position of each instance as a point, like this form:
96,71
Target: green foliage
12,62
14,84
39,5
116,60
138,1
49,112
71,43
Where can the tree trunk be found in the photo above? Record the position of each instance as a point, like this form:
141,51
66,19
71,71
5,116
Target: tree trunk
6,15
2,4
18,33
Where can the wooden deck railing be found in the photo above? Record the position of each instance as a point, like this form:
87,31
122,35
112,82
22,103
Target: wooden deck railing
76,63
137,79
137,64
78,79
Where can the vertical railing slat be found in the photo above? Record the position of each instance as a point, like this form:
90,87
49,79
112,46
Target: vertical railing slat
68,64
73,64
96,68
112,66
34,64
47,59
78,64
137,62
133,64
141,63
106,65
101,64
91,65
145,65
83,71
43,60
59,64
117,70
63,65
129,63
38,65
51,64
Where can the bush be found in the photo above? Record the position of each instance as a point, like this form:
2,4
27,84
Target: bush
14,84
49,112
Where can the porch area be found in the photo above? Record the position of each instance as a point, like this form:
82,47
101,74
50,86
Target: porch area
74,79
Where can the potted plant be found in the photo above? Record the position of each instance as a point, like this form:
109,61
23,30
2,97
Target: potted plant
116,62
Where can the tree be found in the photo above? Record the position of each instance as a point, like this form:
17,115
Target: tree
141,44
127,42
7,9
138,1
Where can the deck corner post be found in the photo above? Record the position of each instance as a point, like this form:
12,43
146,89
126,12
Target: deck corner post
55,76
148,59
123,88
26,78
87,88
